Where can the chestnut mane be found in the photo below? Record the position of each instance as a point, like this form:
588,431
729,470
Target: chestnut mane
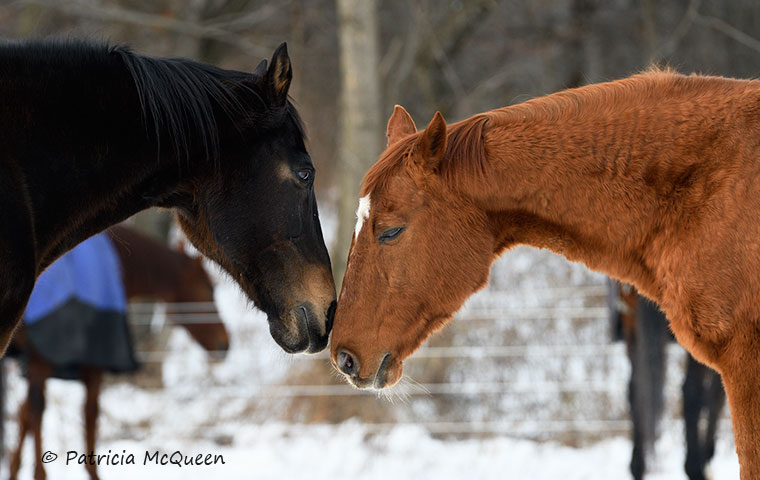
466,156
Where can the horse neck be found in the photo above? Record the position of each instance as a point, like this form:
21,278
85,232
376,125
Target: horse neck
149,269
604,175
76,135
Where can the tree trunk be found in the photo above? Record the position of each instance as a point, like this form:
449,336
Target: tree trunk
360,140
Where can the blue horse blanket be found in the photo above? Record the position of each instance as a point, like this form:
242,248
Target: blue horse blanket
76,315
90,273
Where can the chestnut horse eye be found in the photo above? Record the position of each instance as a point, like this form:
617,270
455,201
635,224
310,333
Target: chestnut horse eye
390,234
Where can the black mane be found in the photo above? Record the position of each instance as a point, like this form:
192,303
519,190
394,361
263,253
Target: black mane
180,94
177,91
180,99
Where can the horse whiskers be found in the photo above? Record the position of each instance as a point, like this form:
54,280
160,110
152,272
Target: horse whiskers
392,394
336,374
415,385
403,390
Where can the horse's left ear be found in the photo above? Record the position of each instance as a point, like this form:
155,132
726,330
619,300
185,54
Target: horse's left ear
430,147
279,75
261,69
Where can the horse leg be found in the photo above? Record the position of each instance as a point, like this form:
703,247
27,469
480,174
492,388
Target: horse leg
646,350
654,335
693,403
638,456
739,365
716,398
23,429
92,378
39,371
623,301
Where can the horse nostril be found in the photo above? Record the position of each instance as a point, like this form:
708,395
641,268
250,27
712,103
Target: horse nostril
347,364
380,379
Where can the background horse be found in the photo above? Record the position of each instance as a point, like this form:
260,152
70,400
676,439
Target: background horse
644,328
92,134
652,179
149,270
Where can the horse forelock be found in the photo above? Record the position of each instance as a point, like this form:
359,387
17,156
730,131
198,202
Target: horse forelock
295,118
362,214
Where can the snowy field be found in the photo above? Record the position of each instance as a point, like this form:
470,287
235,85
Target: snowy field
206,408
273,451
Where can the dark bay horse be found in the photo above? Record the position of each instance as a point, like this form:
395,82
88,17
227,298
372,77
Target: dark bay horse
645,331
653,179
93,133
150,271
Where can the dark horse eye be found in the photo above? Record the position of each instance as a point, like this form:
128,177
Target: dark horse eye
305,174
390,233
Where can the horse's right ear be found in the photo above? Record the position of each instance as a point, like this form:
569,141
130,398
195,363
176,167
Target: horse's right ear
431,144
278,76
399,125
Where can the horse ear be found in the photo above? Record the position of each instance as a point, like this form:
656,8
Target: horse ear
261,69
279,75
431,145
399,125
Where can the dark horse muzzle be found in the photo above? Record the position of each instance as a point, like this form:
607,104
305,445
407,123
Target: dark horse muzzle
303,328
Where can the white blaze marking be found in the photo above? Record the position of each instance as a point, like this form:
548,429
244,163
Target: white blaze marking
362,213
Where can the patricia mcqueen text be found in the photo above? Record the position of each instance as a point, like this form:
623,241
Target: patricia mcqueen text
177,459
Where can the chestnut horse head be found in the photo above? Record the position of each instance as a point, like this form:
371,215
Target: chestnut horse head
419,249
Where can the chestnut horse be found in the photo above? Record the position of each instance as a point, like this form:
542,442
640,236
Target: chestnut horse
149,270
645,331
92,134
653,179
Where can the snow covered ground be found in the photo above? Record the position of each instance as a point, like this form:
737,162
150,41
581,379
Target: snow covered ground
276,451
207,408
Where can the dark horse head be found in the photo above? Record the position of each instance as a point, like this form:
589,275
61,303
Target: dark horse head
257,216
93,134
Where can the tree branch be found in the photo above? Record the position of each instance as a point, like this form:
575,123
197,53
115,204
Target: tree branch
683,27
122,15
723,27
232,22
693,17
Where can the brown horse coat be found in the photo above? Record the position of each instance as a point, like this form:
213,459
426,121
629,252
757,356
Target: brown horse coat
653,179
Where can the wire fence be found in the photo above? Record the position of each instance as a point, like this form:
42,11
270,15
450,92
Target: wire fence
485,310
553,372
